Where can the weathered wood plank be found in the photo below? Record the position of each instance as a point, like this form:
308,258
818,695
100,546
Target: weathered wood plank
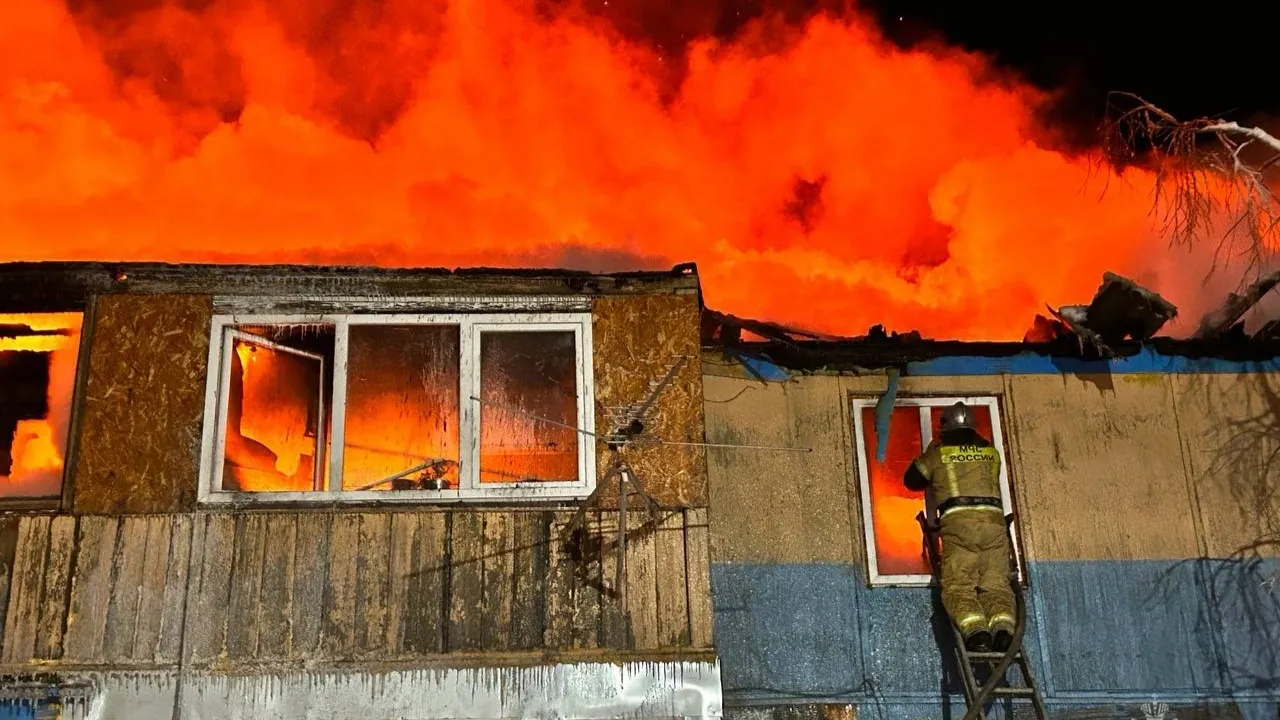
126,589
404,531
588,578
529,597
57,588
372,573
642,584
275,615
211,594
614,633
466,580
310,583
338,640
21,625
425,605
558,619
697,552
155,567
173,607
498,580
8,549
246,586
673,593
90,589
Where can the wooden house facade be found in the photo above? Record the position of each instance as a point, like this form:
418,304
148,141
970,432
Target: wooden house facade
342,492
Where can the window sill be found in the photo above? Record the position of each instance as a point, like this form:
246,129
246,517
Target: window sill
45,504
488,496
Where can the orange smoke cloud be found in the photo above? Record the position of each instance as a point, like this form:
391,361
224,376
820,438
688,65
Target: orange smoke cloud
817,175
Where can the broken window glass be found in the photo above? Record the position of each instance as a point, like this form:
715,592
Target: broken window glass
38,354
401,421
277,413
529,406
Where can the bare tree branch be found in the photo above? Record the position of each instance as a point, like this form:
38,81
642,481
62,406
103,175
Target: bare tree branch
1210,177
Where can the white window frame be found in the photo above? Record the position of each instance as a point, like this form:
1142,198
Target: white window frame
470,327
924,403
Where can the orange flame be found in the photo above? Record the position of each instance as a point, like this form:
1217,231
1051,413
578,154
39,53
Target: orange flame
899,544
819,176
39,445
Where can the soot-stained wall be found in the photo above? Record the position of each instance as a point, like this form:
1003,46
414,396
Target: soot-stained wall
1143,501
222,590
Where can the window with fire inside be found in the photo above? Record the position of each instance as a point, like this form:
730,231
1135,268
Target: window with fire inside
38,356
398,407
893,537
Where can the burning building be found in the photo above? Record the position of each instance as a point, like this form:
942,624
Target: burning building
1139,470
299,492
277,492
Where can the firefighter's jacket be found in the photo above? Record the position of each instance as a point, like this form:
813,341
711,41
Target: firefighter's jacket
958,474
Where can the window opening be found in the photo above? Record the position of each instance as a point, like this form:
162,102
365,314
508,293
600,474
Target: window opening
276,418
38,358
401,421
892,534
528,407
419,406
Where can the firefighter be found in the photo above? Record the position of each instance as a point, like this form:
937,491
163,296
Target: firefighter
961,470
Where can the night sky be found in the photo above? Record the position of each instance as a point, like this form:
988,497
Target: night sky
1194,61
1191,62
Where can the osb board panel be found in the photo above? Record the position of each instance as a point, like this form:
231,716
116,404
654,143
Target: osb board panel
777,506
635,341
224,590
1097,469
1230,427
143,402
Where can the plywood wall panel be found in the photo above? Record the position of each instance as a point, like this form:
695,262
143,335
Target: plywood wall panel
140,421
1100,468
1231,439
780,506
635,341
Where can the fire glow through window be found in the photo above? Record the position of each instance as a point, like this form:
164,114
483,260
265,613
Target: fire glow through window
400,407
895,549
38,353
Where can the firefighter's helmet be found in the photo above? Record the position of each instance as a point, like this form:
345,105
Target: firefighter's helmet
956,417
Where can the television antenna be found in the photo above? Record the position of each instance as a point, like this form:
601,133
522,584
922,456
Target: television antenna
629,433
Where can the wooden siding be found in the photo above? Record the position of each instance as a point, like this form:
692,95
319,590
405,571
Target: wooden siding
218,590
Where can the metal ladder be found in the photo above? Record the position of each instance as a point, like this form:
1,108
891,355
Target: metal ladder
977,695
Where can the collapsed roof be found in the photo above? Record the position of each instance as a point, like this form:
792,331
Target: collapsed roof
1121,320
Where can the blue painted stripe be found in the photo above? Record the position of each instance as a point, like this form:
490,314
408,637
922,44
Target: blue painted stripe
1194,629
1146,361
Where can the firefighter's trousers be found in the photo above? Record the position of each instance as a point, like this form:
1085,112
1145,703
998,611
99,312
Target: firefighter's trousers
975,570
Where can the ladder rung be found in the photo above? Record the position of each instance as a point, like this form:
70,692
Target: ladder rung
990,656
1019,692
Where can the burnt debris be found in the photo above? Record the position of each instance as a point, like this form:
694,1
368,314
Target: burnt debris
1121,310
1228,319
1122,319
